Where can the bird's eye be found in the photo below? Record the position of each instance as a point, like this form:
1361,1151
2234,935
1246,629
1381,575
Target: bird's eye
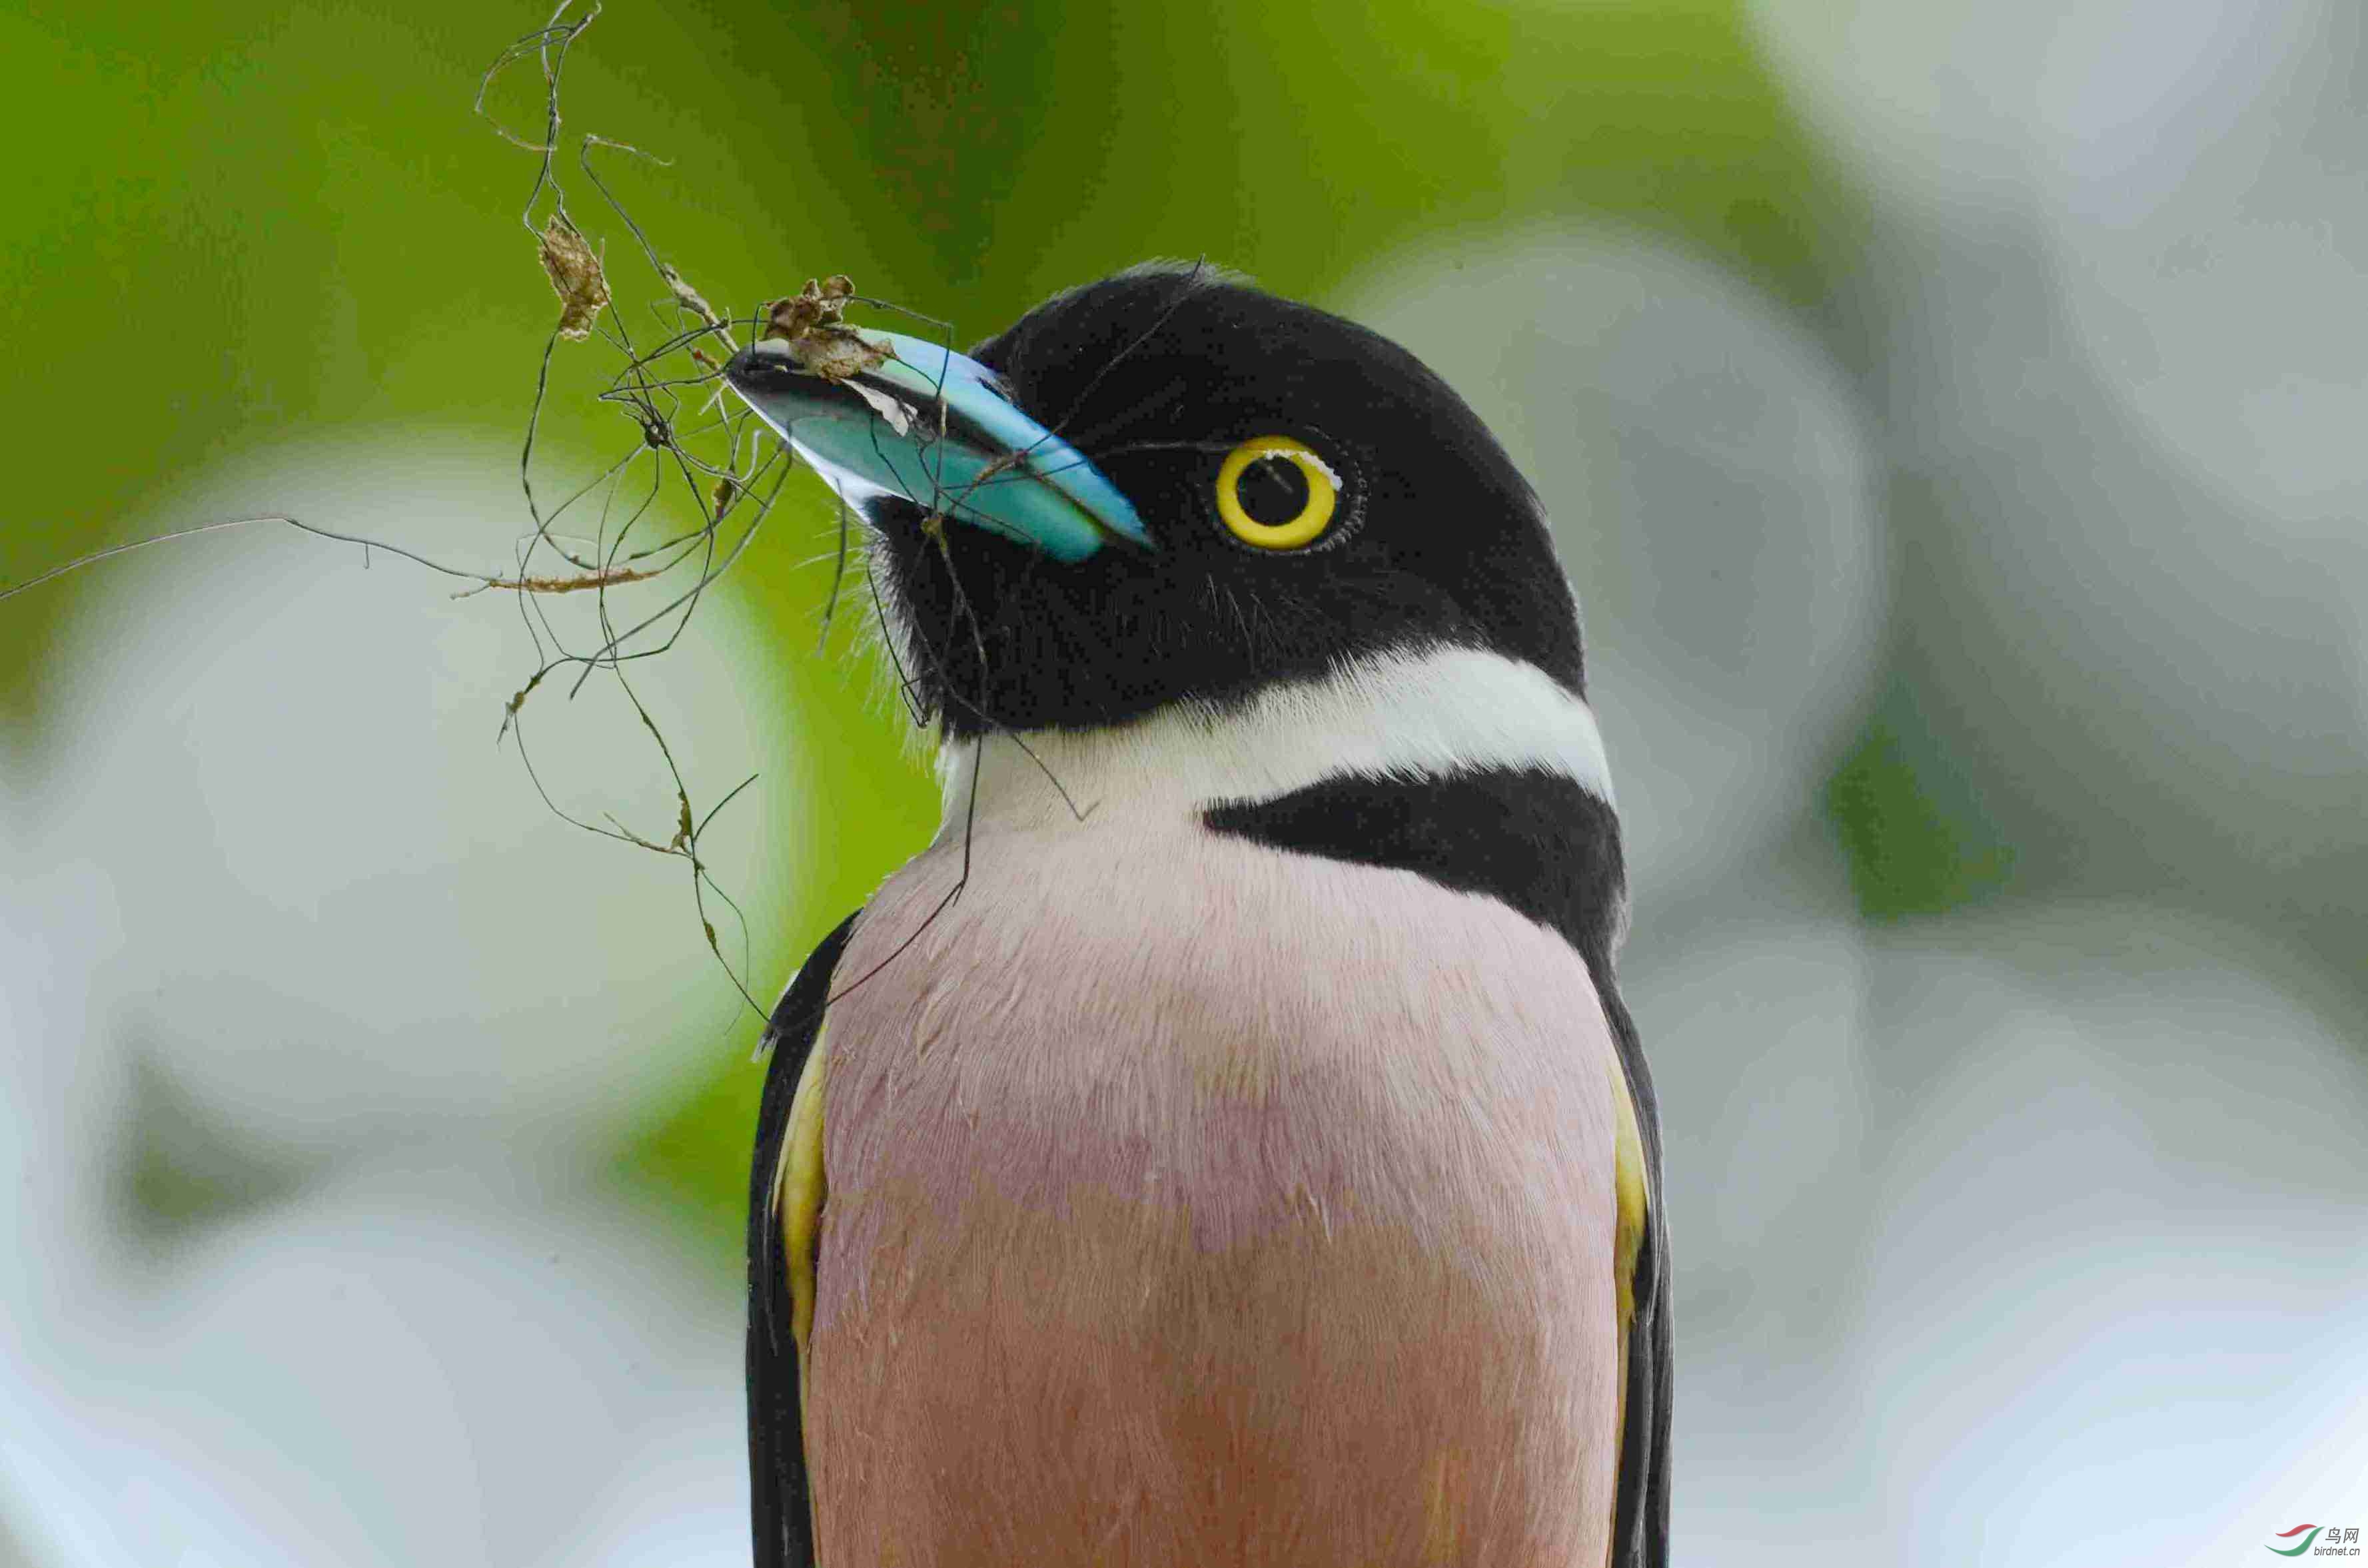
1275,494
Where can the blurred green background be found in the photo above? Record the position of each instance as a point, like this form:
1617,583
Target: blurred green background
2012,642
302,227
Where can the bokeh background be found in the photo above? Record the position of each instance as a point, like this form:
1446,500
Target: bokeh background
1954,416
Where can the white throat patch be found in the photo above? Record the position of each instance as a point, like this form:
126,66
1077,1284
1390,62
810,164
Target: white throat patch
1423,713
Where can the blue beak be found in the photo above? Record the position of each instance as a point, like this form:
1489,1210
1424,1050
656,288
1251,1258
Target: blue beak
935,429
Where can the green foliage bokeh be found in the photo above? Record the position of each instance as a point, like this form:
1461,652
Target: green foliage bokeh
228,224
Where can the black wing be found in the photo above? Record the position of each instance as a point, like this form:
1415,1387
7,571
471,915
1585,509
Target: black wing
1640,1519
781,1508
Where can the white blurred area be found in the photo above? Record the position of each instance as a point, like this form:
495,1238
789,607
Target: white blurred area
2031,1238
2110,307
2031,1234
281,916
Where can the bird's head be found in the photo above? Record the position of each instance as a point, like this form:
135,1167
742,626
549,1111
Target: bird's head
1170,488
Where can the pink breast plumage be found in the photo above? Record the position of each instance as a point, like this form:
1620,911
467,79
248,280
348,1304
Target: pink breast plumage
1190,1201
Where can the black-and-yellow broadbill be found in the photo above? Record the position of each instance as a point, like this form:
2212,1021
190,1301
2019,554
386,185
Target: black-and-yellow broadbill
1225,1143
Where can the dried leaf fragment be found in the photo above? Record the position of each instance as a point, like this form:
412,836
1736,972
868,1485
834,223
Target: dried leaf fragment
808,322
575,272
606,577
819,304
691,299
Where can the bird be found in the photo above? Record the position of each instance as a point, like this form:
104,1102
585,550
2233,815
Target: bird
1225,1142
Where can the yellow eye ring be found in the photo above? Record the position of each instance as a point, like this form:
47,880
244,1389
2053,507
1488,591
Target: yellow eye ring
1315,517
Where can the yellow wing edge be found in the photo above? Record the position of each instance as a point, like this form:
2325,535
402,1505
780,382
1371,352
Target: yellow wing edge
1631,1199
799,1188
1630,1193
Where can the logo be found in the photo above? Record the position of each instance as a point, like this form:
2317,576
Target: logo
2319,1540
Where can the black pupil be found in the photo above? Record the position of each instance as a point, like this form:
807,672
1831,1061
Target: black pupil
1272,491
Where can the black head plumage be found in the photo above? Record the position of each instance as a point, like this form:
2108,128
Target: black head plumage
1158,375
